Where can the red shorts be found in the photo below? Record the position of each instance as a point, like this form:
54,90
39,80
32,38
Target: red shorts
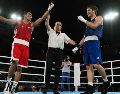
20,52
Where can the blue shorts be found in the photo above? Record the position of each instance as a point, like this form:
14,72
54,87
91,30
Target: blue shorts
92,52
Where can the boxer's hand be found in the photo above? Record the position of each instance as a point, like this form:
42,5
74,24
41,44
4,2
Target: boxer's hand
51,5
74,50
82,19
77,47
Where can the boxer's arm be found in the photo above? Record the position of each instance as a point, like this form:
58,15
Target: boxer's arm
40,20
8,21
98,22
78,46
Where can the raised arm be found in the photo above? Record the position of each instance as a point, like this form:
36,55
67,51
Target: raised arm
40,20
47,23
8,21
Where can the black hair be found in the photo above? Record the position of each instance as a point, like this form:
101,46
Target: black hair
26,11
93,7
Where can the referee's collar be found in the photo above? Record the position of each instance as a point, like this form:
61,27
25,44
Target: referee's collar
59,32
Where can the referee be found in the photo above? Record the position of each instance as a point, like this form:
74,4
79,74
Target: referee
55,53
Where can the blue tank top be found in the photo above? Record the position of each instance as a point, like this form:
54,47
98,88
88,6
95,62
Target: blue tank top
90,31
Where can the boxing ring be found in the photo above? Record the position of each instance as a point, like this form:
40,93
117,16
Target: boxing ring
35,75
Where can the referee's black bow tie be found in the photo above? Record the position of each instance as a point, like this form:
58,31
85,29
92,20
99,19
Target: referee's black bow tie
57,33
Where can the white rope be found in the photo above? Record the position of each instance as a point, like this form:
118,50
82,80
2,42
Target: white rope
111,68
28,59
29,82
27,67
25,73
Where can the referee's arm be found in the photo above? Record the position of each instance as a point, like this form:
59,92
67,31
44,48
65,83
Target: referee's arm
47,23
71,42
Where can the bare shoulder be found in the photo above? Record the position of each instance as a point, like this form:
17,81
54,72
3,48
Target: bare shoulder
18,22
99,18
32,23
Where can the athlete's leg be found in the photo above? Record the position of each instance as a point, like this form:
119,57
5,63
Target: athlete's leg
11,73
16,78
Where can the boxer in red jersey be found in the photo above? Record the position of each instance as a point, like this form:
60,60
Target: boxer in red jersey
20,46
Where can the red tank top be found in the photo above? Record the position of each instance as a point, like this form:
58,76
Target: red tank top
24,31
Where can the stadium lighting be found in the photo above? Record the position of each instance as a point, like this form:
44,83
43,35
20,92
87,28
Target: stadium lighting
111,15
15,16
19,18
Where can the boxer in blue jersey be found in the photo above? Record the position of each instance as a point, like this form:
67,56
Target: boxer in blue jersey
91,48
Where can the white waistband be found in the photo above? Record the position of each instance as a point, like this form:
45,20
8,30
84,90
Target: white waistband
20,41
90,38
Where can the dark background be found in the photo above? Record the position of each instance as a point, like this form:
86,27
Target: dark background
65,11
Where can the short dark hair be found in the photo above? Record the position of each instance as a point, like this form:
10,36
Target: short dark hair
26,11
93,7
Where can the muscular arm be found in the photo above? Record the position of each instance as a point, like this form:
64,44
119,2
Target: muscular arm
81,42
98,21
8,21
78,46
40,20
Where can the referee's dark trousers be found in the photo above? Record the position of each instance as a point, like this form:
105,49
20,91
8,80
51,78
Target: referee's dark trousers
53,55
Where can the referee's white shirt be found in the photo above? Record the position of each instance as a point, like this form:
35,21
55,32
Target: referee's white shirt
57,41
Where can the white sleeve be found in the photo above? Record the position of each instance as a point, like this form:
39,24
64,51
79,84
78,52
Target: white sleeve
50,31
66,38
